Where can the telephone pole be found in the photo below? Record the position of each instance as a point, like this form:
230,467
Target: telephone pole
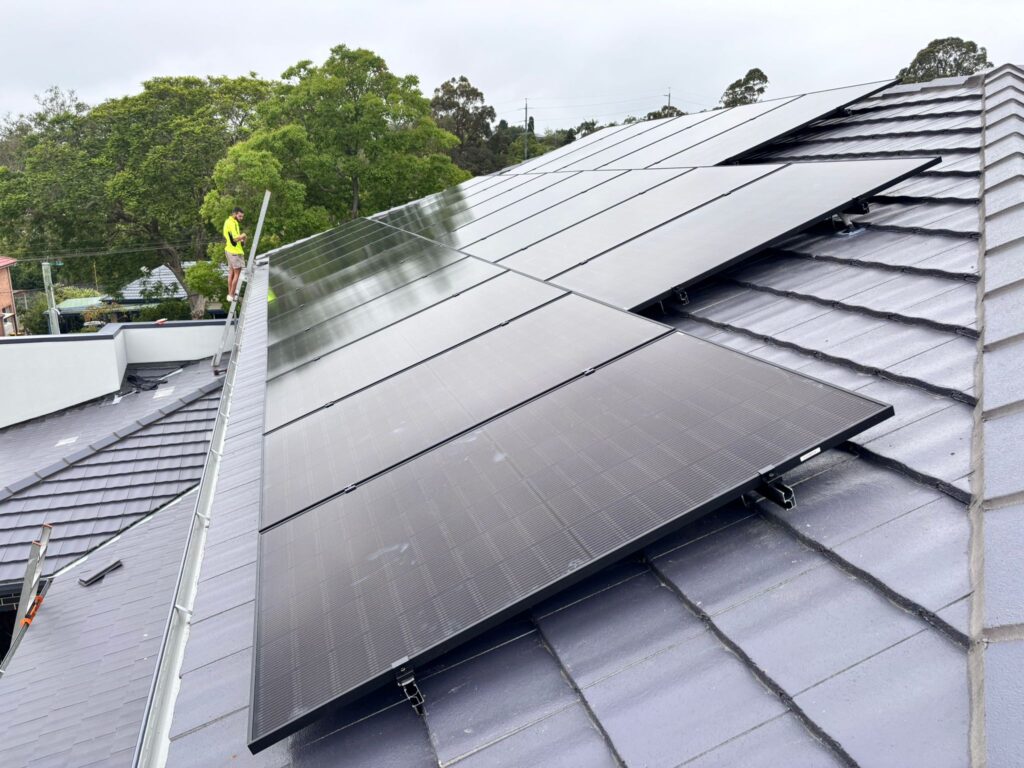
51,303
526,129
668,95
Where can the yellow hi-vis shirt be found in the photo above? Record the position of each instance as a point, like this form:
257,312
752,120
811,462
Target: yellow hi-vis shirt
232,231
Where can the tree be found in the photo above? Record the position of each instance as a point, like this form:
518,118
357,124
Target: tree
458,107
355,137
945,57
747,90
127,177
667,111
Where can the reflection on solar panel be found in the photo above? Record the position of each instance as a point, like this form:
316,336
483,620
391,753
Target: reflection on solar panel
449,439
446,545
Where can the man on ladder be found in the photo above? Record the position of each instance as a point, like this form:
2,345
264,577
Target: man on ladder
234,239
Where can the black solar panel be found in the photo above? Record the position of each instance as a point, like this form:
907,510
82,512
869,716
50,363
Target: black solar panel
333,448
447,544
717,235
372,345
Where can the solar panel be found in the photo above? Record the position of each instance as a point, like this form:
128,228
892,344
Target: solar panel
360,281
717,235
751,134
631,218
550,160
371,316
397,331
333,448
681,132
446,545
569,186
521,231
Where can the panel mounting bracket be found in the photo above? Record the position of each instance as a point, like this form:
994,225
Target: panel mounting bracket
776,491
406,680
681,296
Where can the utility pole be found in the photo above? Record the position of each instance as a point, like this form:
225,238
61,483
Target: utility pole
668,95
51,302
526,129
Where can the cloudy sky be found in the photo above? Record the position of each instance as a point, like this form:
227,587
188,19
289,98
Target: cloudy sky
574,60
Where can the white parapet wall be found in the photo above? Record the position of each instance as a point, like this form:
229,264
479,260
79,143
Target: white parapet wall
44,374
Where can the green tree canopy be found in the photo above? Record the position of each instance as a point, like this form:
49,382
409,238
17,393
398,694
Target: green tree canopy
126,177
338,140
667,111
747,90
945,57
459,108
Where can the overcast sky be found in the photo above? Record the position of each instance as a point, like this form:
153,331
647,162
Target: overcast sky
574,60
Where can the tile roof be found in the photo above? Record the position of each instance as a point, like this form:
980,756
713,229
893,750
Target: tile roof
74,690
121,458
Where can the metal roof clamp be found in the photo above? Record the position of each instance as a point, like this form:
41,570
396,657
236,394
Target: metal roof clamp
681,295
407,682
774,490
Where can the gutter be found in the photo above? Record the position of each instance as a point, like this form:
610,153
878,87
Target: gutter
154,733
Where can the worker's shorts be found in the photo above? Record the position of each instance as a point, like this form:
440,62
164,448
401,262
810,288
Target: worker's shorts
235,260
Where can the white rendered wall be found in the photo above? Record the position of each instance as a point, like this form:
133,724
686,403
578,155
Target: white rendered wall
44,374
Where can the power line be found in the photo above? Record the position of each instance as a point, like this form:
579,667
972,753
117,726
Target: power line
74,253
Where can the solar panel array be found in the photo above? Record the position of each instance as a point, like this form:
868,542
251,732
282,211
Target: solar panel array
461,418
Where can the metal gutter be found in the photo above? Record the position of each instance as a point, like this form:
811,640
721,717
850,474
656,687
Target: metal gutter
154,733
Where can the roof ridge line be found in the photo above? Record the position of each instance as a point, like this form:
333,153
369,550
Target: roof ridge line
101,443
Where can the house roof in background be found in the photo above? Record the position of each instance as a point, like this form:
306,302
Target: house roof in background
96,469
7,261
160,280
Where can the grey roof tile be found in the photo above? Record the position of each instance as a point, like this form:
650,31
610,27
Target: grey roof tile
680,703
779,742
1004,577
921,555
565,739
491,696
907,705
736,564
1004,445
392,738
1004,314
632,620
84,681
1004,705
805,629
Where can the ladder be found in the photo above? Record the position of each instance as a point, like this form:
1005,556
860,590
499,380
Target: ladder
31,596
233,307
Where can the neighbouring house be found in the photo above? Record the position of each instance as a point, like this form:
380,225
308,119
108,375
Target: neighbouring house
695,442
8,308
